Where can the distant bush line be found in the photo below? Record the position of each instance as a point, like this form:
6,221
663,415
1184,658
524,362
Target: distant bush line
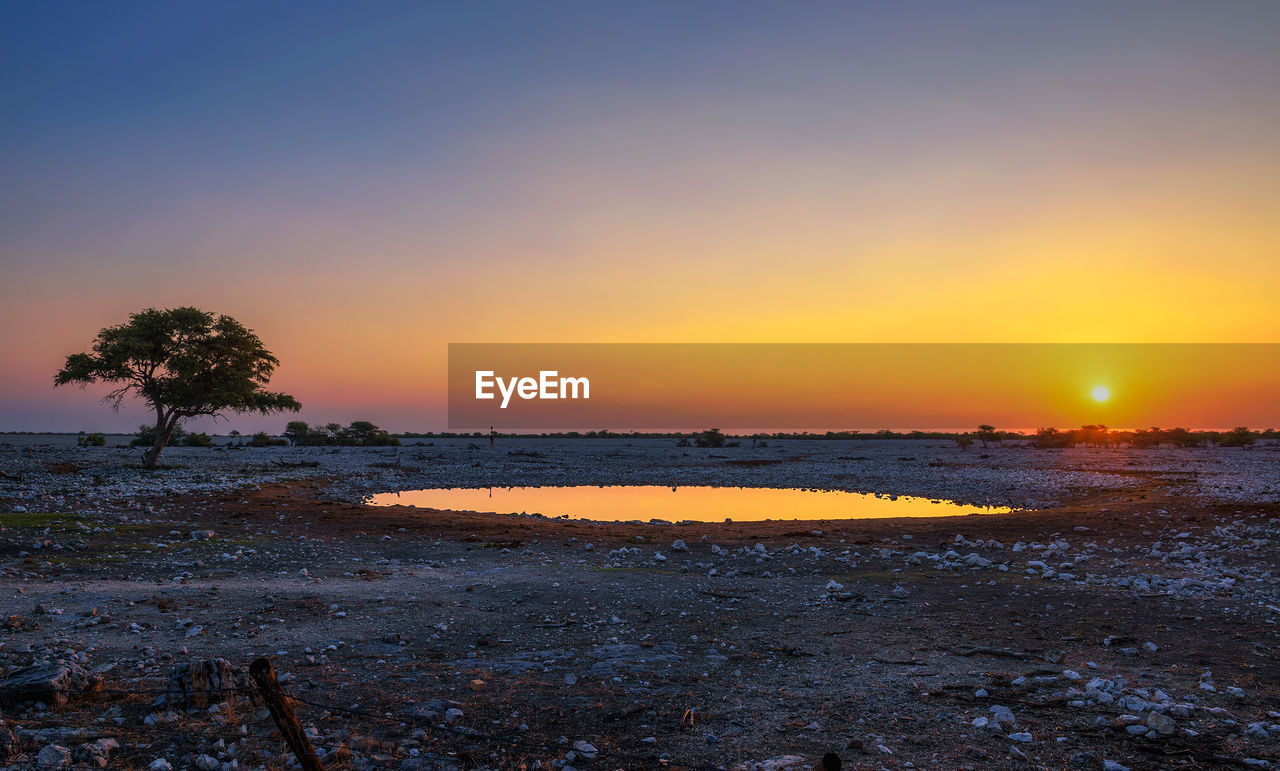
362,433
986,435
1150,438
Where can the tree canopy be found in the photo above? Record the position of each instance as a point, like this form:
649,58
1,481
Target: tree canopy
184,363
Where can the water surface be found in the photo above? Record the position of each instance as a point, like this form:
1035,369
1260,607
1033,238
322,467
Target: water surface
624,503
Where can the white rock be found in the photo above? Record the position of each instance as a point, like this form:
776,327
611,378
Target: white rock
1002,715
54,756
1161,724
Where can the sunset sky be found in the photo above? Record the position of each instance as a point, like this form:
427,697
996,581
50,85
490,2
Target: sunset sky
363,184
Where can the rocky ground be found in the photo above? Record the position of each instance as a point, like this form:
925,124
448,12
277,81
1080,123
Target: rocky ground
1128,621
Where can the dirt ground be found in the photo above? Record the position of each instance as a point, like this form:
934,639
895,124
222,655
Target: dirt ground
765,643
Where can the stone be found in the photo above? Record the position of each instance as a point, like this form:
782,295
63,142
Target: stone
201,683
159,764
679,545
54,756
1161,724
782,763
52,683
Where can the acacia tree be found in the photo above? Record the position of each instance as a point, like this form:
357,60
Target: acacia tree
986,433
183,362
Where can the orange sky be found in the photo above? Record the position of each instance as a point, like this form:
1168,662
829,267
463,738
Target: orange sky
836,175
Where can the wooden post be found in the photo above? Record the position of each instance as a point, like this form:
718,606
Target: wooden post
278,704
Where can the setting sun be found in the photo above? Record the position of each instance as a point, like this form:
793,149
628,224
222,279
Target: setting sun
1101,393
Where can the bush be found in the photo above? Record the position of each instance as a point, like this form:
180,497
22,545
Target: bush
1049,438
1240,436
147,436
1181,437
263,439
197,440
710,438
1147,438
91,440
361,433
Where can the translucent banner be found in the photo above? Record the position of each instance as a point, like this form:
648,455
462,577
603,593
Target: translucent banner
659,386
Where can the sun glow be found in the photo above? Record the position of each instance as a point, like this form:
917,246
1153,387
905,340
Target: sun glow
1101,393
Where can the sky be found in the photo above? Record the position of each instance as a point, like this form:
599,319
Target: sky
364,184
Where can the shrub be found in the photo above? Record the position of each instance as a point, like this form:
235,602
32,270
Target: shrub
147,436
197,440
1239,436
710,438
1047,438
361,433
263,439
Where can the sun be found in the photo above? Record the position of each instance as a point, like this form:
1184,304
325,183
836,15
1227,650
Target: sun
1100,393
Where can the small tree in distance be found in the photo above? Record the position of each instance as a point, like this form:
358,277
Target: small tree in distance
296,432
987,434
183,362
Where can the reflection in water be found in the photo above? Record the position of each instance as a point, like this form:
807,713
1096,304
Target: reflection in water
621,503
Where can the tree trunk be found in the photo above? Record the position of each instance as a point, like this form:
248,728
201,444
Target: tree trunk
164,428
